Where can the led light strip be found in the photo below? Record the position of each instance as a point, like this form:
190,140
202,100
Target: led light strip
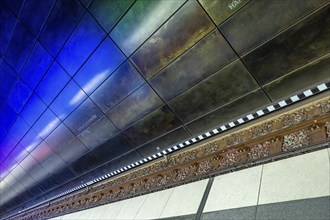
279,105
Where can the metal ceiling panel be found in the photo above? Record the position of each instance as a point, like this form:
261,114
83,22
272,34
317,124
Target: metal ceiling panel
313,73
219,11
52,83
81,118
164,142
137,105
152,126
60,23
8,78
33,109
19,47
277,57
101,10
243,29
99,132
99,66
42,152
119,85
33,20
6,28
231,82
36,65
190,24
235,109
205,58
68,100
148,15
73,54
59,137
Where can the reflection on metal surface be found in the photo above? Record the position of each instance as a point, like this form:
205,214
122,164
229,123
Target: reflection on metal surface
164,46
141,21
231,82
219,11
290,50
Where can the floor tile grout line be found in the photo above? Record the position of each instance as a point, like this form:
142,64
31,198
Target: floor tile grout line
169,197
258,196
204,198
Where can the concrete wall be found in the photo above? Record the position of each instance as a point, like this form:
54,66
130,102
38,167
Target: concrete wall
294,188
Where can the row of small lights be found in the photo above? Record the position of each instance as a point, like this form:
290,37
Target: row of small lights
310,92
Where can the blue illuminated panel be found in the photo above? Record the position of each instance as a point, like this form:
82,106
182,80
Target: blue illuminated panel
63,18
99,66
36,66
19,47
46,123
19,128
68,100
19,153
7,116
32,19
6,28
7,144
74,52
30,140
19,96
52,83
7,79
33,109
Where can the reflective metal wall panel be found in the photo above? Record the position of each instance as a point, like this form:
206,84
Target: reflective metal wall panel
228,112
19,96
98,133
190,24
42,152
74,53
81,118
146,15
260,20
125,80
152,126
141,102
53,82
59,137
47,122
164,142
29,163
6,28
33,109
278,57
19,153
72,150
53,163
19,47
19,128
8,78
99,66
34,20
219,11
7,116
36,65
69,99
231,82
313,73
30,140
60,23
205,58
108,13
